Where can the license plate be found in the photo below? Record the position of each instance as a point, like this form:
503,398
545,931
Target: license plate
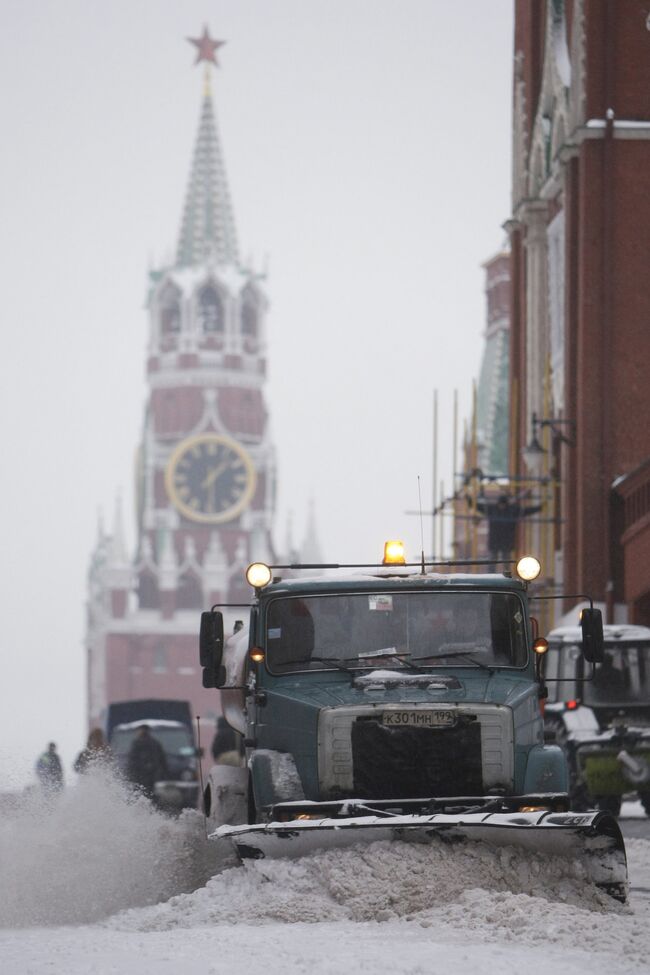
419,719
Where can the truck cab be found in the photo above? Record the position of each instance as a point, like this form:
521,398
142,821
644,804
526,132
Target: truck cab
601,715
399,683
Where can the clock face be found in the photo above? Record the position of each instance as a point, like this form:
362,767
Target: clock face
210,478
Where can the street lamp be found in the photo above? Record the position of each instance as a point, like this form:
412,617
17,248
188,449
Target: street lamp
533,453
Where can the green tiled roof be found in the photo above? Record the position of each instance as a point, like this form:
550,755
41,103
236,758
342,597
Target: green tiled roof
493,405
208,227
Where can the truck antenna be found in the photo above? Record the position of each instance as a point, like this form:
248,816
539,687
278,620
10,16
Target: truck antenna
198,741
421,526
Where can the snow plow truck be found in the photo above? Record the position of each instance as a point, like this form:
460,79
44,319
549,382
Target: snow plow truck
601,719
395,701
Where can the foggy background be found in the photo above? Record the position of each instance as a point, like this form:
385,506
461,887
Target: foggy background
367,148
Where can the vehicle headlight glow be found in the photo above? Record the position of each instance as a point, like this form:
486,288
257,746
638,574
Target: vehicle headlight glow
528,568
258,575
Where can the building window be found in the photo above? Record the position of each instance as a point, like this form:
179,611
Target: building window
170,311
148,592
249,317
557,339
189,594
210,314
160,660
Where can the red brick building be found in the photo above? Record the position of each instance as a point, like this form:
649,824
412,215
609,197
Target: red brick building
580,246
205,472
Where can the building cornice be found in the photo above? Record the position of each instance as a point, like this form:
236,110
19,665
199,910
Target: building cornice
594,129
204,378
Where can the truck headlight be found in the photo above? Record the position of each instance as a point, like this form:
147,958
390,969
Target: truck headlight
528,568
258,575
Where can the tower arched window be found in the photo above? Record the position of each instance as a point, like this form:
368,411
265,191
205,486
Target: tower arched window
249,316
189,594
148,592
210,311
170,311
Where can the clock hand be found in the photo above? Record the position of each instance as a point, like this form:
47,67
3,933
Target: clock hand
212,476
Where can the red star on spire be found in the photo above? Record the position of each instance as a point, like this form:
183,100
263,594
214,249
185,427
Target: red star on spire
206,47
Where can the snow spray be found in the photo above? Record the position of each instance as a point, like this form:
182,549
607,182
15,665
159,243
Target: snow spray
94,849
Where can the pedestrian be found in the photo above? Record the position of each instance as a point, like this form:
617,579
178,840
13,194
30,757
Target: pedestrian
146,762
49,769
96,753
226,744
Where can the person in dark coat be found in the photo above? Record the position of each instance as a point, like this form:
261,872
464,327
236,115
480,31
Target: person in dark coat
96,753
146,762
503,516
49,769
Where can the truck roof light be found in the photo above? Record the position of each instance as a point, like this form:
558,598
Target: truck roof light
528,568
394,553
258,575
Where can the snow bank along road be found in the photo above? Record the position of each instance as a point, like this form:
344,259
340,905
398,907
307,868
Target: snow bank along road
98,881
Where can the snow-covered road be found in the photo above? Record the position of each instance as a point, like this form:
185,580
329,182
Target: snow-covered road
95,883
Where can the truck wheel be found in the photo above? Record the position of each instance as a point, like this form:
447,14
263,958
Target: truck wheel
610,804
224,798
253,815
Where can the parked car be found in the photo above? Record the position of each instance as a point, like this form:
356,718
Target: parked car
170,722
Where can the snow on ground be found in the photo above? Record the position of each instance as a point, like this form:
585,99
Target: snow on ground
130,886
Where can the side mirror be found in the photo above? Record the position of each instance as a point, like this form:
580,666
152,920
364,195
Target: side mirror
593,645
211,648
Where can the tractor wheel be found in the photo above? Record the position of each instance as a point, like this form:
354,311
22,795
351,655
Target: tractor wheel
645,801
579,798
610,804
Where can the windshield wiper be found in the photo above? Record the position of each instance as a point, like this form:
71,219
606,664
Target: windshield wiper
405,659
336,664
456,651
389,652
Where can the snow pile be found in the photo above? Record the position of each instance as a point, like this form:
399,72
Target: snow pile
385,882
92,850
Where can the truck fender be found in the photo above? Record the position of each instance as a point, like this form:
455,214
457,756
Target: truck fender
275,778
225,799
546,770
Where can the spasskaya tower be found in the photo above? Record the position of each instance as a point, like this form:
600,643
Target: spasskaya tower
205,470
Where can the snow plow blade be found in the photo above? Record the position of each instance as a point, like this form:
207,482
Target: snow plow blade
302,828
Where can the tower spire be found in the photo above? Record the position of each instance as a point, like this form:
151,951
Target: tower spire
208,226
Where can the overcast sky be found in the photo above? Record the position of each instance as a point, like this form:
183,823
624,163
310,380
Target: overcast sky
367,147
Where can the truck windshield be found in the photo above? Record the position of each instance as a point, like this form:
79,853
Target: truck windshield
394,630
622,678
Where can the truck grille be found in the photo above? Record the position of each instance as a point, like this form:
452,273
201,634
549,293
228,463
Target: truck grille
359,756
393,763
